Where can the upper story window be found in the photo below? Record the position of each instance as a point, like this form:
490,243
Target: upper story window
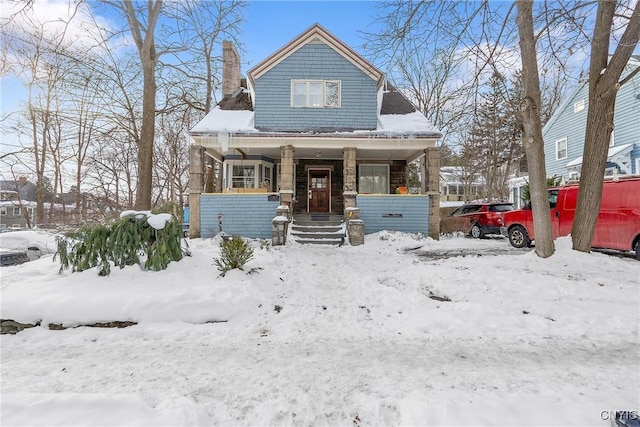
315,93
578,106
561,149
612,139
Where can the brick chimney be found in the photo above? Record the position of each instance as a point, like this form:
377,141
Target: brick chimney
230,69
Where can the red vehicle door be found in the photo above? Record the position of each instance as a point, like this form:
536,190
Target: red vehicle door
565,211
555,199
613,219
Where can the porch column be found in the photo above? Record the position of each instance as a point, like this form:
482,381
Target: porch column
432,183
349,189
287,180
196,178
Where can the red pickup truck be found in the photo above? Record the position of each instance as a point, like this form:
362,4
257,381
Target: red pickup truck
618,225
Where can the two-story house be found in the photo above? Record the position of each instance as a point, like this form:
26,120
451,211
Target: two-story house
564,133
316,128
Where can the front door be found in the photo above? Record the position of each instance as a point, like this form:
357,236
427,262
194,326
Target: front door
319,190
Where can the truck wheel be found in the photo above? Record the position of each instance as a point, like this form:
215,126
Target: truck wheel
476,231
518,237
638,250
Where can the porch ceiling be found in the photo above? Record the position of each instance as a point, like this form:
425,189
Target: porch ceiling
306,147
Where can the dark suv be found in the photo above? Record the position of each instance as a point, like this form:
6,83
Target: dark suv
483,218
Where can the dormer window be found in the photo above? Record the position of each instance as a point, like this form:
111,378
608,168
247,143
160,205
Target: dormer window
315,93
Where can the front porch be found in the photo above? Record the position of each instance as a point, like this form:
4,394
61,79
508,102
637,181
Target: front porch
250,188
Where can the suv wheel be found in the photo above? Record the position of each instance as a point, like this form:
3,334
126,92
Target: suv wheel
518,237
476,231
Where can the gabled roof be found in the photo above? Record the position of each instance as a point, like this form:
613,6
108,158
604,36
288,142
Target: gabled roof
634,61
316,33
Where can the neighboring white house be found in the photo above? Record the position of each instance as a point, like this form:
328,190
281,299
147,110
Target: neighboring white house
457,186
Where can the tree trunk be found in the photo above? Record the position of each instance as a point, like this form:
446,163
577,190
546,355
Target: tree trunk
604,75
147,135
532,132
599,128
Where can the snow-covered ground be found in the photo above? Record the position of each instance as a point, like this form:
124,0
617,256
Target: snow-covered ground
329,336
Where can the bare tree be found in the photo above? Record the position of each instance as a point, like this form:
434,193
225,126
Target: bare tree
605,72
172,159
40,52
200,26
142,25
532,131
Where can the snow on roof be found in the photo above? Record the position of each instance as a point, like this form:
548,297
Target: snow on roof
414,122
241,121
218,120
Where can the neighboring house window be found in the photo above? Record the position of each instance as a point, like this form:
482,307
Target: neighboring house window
3,211
578,106
315,93
561,149
374,179
611,141
16,211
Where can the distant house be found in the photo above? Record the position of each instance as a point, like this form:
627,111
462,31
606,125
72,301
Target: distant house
21,189
564,133
457,185
318,129
17,203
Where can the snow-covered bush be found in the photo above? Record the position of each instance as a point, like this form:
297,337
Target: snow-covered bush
234,253
135,236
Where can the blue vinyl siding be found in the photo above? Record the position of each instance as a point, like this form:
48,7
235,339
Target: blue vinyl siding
570,125
380,212
627,119
247,215
314,61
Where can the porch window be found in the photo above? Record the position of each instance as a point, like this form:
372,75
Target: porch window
561,149
315,93
374,179
243,176
266,178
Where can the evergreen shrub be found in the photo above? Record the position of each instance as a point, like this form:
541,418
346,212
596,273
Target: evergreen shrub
121,243
235,253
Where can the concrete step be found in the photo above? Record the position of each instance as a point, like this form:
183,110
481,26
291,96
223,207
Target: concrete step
319,230
321,241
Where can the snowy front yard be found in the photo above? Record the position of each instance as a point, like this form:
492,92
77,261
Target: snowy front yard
329,336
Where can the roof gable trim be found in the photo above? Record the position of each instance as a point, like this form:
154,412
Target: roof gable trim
315,34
